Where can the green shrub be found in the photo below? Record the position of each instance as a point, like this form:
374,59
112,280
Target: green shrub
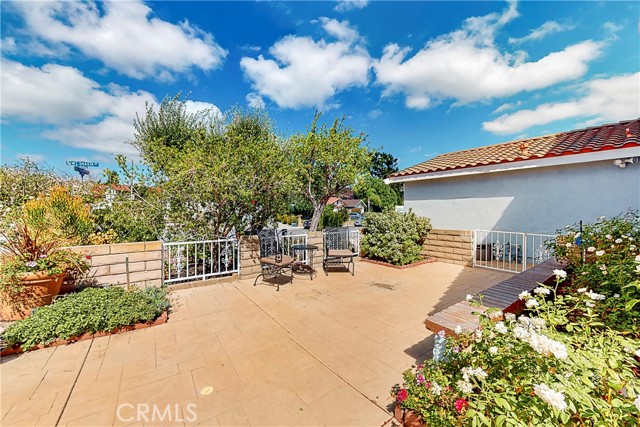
88,311
330,218
394,237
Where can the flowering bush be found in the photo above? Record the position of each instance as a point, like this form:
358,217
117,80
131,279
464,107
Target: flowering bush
394,237
527,371
571,359
606,261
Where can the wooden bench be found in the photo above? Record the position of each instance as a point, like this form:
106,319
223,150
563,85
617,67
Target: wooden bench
503,296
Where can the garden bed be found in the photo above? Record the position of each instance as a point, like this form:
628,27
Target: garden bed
399,267
86,336
89,313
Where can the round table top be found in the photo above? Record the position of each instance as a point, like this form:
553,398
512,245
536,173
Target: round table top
304,247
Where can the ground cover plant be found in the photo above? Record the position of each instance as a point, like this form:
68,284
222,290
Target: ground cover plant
568,360
88,311
394,237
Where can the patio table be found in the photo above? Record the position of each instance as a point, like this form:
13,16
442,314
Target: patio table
301,266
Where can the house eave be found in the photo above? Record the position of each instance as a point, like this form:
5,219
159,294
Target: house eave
536,163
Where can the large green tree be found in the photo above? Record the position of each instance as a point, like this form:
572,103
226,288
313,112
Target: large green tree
378,195
326,160
217,173
383,164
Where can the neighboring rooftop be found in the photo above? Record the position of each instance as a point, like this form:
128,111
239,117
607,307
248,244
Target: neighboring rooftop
598,138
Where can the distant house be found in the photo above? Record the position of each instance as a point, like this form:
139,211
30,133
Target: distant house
348,204
532,185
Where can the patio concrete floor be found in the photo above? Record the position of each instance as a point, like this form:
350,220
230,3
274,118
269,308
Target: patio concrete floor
321,352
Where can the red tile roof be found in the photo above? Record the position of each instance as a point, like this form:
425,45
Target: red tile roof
599,138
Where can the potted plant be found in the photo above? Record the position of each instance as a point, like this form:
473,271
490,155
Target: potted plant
32,269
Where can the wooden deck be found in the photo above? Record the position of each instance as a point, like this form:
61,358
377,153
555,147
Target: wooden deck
503,296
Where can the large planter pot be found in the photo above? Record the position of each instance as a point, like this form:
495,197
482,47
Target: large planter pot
407,417
39,290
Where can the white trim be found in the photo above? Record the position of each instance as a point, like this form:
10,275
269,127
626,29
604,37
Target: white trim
595,156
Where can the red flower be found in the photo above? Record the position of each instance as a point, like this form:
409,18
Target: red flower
461,405
88,256
253,202
402,395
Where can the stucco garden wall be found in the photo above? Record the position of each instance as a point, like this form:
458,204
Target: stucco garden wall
539,200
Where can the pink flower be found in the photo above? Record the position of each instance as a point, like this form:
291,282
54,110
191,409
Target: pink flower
420,379
461,405
31,264
402,395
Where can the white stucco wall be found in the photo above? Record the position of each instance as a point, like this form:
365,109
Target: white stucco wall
540,200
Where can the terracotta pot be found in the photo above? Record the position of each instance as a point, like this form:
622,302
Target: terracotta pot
39,290
407,417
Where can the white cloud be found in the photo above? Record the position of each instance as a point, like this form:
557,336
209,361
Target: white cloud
467,66
549,27
374,114
601,100
506,106
124,35
254,100
78,111
347,5
307,73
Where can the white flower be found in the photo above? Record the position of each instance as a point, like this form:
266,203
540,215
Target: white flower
458,329
616,295
638,268
637,403
469,297
501,328
510,317
560,274
531,303
637,258
568,245
599,253
524,295
495,315
581,290
609,236
478,335
468,372
541,291
637,353
552,397
465,387
538,322
618,241
521,332
591,249
594,296
435,388
632,247
493,350
590,304
524,320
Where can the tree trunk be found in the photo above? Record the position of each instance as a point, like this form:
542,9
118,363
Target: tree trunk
317,213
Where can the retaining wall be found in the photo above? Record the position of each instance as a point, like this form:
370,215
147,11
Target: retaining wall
108,263
452,246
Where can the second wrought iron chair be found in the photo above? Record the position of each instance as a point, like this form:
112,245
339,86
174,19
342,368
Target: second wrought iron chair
339,250
273,262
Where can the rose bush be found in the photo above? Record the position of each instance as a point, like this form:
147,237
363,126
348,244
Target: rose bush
563,362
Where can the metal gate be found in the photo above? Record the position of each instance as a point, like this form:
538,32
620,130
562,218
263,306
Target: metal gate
199,260
510,251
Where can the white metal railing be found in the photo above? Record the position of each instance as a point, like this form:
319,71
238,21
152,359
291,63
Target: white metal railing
509,250
289,240
354,236
203,259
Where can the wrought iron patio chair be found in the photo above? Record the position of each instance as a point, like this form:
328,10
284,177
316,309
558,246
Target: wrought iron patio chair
339,250
273,262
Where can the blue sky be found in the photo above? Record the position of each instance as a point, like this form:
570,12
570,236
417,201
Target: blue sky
419,78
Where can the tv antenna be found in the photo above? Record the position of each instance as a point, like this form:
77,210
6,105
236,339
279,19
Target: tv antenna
82,167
